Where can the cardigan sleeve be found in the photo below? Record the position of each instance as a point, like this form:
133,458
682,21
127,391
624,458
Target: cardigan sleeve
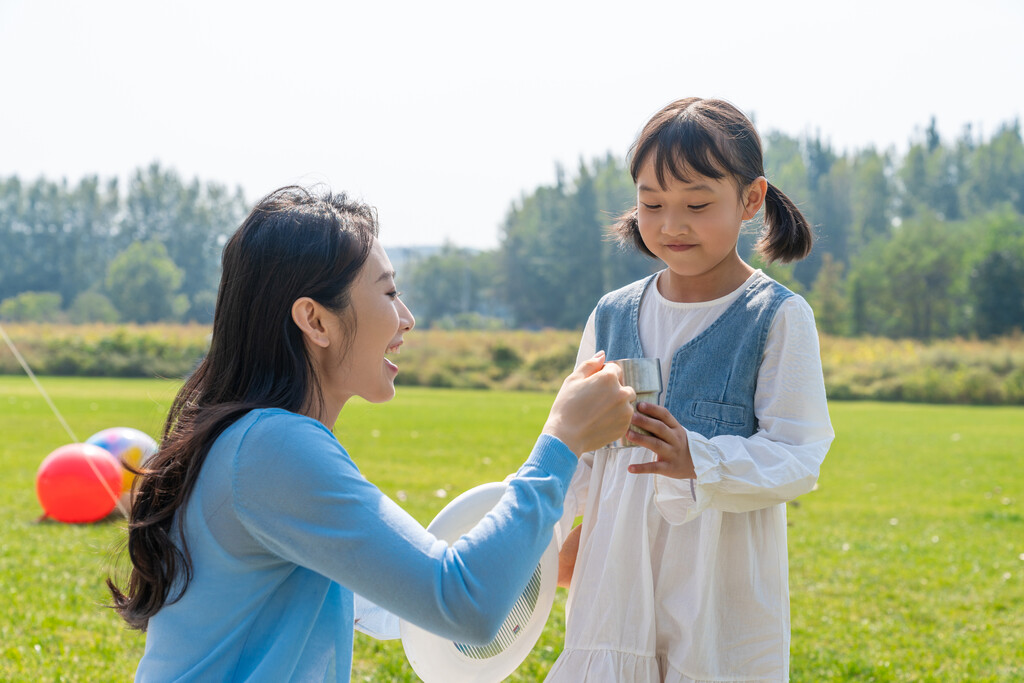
374,620
300,496
782,459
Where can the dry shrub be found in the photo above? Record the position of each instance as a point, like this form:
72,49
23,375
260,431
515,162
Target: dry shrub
945,371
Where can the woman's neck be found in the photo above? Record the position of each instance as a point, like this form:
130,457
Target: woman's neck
323,409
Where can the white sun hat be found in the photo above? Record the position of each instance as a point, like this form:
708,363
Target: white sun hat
439,660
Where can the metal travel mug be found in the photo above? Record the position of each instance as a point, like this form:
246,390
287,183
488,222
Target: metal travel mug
644,375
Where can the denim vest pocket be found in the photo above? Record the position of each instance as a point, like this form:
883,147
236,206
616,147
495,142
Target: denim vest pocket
723,413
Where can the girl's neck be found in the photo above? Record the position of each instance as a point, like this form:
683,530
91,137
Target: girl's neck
723,279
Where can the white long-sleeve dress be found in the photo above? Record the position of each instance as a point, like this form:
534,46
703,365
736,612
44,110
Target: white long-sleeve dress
652,577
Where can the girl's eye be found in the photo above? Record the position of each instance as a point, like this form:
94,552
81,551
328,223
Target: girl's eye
652,207
698,207
394,294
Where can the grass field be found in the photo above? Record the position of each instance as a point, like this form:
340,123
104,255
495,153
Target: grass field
907,563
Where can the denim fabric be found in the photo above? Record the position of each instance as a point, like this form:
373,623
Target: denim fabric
711,383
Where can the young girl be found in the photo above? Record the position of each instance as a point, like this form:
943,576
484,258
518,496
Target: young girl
683,577
253,528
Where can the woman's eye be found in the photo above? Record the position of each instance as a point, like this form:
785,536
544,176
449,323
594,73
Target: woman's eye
652,207
394,294
698,207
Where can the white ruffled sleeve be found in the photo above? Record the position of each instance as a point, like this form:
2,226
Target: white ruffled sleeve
782,459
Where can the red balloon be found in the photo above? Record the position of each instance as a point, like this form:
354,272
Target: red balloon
78,483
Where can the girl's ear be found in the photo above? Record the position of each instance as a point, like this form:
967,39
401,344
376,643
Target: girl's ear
753,197
309,316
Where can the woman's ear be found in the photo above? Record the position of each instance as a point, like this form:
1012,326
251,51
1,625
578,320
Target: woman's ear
753,197
309,316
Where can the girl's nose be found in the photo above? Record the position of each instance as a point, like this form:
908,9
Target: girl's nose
674,224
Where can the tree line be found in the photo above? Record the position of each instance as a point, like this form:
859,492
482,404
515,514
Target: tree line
92,252
925,244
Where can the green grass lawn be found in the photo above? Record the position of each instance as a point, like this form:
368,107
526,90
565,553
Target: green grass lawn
907,563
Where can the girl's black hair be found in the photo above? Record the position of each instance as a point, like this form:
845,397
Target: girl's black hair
712,138
295,243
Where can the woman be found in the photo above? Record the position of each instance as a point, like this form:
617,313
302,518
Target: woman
252,527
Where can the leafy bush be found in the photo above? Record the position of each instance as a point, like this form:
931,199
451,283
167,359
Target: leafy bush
36,307
948,371
144,283
506,360
101,350
92,307
554,365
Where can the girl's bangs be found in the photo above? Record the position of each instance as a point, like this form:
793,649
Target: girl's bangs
683,149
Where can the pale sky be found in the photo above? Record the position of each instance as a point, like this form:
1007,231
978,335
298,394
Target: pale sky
443,114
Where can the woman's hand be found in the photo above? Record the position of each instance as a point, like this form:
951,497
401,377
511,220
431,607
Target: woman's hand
592,408
667,439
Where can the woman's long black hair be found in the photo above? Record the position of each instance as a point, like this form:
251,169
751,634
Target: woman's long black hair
295,243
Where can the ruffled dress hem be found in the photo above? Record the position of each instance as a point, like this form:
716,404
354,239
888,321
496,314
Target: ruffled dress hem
612,666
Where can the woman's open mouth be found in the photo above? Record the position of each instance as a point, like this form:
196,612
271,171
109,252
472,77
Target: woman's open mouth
394,349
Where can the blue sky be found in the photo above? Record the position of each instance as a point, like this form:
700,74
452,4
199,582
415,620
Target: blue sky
443,114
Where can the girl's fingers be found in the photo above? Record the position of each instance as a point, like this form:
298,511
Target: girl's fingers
655,467
653,425
660,413
648,441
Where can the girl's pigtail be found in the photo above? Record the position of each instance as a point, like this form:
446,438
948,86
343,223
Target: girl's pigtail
626,231
787,234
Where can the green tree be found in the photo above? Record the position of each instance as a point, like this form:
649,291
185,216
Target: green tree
996,274
531,267
995,173
996,284
786,169
800,169
61,237
828,297
53,236
911,284
36,307
930,176
201,306
450,283
871,199
556,255
92,307
143,284
780,272
616,194
12,240
90,219
192,220
576,246
830,212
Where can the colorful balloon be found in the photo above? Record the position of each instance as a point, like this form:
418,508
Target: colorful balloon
78,483
127,445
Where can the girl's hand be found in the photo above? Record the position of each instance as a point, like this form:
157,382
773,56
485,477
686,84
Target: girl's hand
667,439
567,556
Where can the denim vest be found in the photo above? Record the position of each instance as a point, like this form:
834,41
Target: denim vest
713,376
